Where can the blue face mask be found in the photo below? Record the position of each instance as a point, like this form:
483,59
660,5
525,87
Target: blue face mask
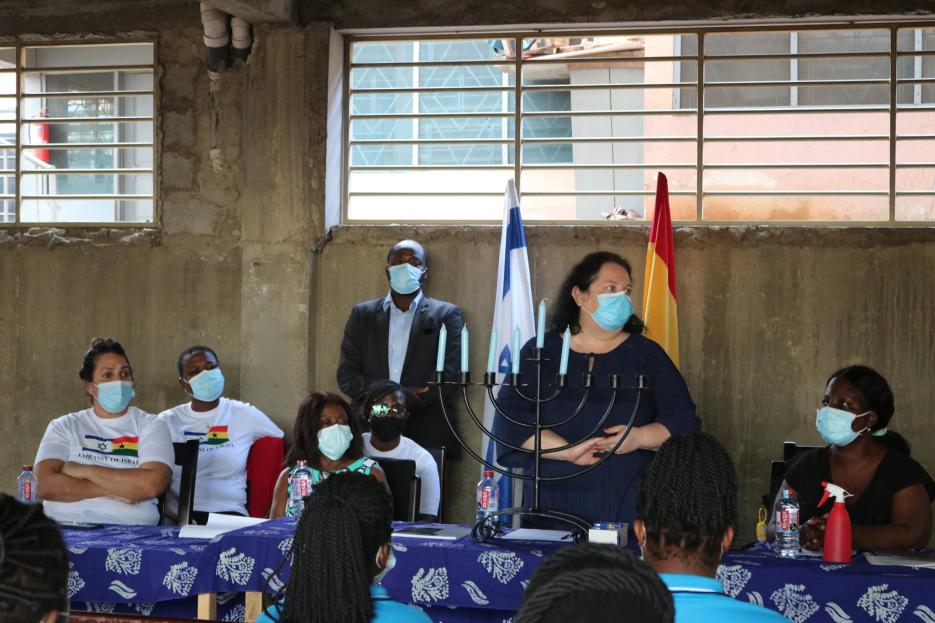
207,385
405,278
114,396
613,310
334,440
835,425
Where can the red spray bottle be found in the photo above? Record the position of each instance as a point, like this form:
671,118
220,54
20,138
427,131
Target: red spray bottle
838,527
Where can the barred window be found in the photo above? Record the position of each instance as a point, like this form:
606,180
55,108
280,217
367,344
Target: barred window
818,125
76,133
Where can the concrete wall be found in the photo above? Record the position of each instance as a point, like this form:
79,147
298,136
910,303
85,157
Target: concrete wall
239,260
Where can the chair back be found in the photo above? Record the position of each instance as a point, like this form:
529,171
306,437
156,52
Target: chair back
791,450
264,463
405,487
186,456
439,455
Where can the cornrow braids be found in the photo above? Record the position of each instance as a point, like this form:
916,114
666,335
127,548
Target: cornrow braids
346,520
566,587
33,563
688,498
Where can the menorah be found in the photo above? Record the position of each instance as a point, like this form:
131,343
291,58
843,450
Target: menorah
489,525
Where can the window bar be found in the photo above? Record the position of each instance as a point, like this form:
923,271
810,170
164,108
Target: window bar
794,68
518,115
416,102
893,108
346,129
699,136
17,176
917,66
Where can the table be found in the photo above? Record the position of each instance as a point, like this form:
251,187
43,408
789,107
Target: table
148,569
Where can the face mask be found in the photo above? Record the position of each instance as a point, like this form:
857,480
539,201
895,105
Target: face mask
405,278
387,428
390,563
834,425
613,310
114,396
207,385
334,440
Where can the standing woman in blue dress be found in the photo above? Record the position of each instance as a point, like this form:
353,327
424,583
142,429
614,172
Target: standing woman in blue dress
594,302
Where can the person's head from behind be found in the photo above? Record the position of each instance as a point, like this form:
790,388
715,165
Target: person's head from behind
200,373
324,428
595,293
686,506
593,583
33,565
341,543
107,375
406,267
385,408
858,401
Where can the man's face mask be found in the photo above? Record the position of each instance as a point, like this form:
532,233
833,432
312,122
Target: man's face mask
387,423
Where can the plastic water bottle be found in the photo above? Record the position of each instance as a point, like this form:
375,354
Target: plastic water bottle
27,487
787,526
300,485
488,496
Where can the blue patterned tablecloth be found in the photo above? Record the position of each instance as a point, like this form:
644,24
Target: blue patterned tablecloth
148,569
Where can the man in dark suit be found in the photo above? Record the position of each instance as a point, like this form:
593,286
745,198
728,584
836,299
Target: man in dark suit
396,337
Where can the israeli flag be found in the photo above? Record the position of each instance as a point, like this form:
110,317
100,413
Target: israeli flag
512,309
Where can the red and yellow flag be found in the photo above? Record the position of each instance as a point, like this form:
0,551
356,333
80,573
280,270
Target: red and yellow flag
659,299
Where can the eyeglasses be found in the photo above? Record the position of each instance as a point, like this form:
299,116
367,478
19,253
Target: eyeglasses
382,410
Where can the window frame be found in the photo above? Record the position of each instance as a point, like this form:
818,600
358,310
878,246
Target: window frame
20,45
893,26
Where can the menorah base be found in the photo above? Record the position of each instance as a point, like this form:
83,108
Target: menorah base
488,527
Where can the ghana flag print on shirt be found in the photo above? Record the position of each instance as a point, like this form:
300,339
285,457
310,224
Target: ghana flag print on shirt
216,436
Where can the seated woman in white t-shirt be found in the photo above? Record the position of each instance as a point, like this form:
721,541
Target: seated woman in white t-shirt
385,409
226,428
107,463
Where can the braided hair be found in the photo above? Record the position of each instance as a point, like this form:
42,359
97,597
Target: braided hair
687,499
33,563
346,520
566,587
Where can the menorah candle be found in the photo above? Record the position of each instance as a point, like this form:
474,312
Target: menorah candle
442,340
492,353
540,325
516,350
465,341
566,346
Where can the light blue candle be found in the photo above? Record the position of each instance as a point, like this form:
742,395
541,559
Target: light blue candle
465,341
442,341
516,350
540,325
492,353
566,346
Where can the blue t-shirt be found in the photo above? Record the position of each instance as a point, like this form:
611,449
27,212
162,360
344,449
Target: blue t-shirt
385,610
698,598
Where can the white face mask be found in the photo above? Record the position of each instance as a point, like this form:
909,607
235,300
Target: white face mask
387,567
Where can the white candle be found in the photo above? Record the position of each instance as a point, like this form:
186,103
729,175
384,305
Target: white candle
492,353
442,340
465,341
540,325
566,346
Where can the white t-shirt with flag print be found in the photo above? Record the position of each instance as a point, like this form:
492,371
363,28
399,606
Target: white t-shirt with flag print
124,442
226,434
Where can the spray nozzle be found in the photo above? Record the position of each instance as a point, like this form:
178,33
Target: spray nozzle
833,491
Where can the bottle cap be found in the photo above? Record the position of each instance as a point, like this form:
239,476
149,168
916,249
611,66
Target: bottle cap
488,474
27,468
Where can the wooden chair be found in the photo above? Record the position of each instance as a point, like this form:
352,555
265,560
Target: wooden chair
186,456
439,455
405,487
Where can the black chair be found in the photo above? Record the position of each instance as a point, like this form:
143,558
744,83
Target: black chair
439,455
790,452
186,456
405,487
